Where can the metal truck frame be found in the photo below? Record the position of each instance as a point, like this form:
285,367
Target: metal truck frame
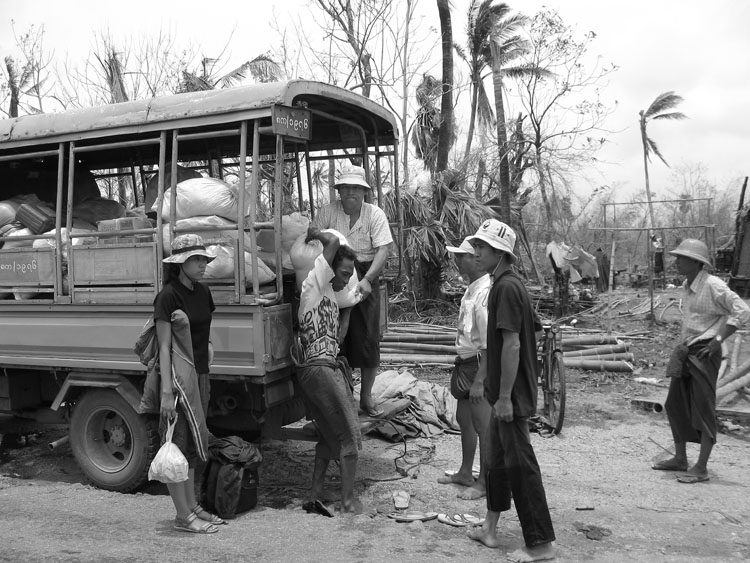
66,347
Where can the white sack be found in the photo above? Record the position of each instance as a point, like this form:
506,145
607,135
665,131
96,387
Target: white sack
303,257
209,237
205,196
223,266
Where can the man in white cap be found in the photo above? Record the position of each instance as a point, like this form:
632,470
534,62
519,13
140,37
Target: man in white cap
366,228
467,381
512,470
711,313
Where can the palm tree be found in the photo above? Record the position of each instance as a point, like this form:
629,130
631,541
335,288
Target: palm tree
660,108
482,18
426,129
504,46
262,68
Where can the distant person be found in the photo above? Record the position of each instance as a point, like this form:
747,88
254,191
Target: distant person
182,315
602,262
366,228
467,381
324,377
658,255
711,313
511,388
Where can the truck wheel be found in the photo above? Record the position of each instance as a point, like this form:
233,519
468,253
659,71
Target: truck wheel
112,443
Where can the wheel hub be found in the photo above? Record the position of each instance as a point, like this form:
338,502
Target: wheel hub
118,436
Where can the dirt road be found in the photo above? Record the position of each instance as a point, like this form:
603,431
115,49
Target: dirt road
607,504
596,474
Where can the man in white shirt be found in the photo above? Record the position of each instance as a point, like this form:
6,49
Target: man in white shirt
467,381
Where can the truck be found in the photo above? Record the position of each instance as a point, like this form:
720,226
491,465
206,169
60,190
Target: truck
91,199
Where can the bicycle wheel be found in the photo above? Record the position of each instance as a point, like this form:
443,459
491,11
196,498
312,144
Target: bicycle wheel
554,392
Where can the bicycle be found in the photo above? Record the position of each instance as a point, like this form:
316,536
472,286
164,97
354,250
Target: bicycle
552,375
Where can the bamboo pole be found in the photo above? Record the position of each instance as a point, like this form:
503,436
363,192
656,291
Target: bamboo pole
599,350
596,365
732,387
589,340
416,359
417,347
424,338
626,356
736,374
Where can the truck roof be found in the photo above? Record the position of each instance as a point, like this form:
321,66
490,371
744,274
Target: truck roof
245,102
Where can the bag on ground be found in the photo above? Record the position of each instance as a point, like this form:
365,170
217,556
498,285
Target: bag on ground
230,480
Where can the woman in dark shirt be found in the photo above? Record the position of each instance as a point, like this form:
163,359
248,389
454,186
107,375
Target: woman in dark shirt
182,290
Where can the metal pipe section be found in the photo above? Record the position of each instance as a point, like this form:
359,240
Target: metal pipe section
57,443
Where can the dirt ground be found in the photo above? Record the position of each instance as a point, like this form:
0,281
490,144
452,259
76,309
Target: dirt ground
607,504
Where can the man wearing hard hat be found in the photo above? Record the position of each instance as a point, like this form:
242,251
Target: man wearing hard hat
712,313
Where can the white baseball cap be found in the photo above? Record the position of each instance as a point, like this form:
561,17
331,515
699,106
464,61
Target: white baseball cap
464,248
498,235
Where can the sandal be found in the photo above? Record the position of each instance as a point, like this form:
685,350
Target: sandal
185,525
206,516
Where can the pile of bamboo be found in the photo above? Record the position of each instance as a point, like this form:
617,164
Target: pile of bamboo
734,378
418,344
426,344
597,352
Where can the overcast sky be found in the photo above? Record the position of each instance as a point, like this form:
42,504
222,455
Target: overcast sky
697,49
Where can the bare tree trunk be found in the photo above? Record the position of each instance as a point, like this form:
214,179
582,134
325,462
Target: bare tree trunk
472,119
545,196
502,134
445,135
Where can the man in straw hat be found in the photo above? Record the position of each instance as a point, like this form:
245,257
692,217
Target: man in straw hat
366,228
467,381
512,470
711,313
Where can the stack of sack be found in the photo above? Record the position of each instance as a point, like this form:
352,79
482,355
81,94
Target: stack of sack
210,202
27,215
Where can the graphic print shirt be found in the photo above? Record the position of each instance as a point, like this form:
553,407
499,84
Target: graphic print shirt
319,314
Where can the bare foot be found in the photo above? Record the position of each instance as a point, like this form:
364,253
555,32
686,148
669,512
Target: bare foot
544,552
458,479
475,492
484,536
671,464
355,507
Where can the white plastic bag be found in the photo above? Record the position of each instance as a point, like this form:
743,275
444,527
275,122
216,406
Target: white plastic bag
169,465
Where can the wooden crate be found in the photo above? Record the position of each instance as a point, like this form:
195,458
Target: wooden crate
27,268
117,264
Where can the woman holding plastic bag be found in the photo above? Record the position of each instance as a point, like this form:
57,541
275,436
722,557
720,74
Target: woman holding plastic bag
182,315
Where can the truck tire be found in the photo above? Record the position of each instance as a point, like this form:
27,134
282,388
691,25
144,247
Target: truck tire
112,443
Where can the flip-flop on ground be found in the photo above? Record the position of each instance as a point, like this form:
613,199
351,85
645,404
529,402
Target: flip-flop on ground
400,500
460,520
412,516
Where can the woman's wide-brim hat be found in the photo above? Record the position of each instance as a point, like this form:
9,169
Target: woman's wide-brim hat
185,247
